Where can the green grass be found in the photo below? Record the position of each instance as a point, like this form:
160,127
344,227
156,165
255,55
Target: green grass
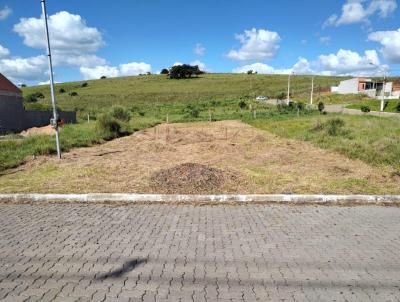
147,93
371,139
375,105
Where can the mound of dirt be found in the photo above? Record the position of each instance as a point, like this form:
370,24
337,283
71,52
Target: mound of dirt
46,130
190,178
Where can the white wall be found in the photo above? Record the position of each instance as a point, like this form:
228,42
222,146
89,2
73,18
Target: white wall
348,86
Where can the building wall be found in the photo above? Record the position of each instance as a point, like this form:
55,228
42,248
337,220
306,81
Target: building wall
11,114
348,87
14,118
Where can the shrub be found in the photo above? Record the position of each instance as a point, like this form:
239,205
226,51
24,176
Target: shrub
164,71
365,109
85,84
321,107
39,95
120,113
103,77
334,127
280,96
73,93
398,107
192,111
242,104
30,98
300,106
62,90
108,126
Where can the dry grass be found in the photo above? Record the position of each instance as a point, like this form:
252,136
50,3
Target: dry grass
246,160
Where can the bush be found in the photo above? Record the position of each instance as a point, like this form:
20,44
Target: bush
334,127
242,104
103,77
85,84
38,95
280,96
108,126
192,111
398,107
300,106
73,93
365,109
62,90
30,98
164,71
321,107
120,113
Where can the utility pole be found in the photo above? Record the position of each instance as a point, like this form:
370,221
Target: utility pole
288,90
383,93
54,121
312,90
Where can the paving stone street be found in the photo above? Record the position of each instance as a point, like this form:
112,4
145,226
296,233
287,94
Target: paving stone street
199,253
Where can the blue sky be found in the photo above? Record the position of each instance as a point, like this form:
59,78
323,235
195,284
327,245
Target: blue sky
93,38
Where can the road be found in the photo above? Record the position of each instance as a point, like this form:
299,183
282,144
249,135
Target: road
339,108
204,253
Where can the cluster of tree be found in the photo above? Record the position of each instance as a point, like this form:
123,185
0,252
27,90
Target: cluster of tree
184,71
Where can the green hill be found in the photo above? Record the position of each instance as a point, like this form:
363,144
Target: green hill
143,92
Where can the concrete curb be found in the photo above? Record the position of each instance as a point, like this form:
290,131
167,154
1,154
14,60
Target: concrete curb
388,200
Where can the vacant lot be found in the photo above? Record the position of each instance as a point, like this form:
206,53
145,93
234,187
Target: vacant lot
219,157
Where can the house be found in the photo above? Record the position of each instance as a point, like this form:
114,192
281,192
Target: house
11,106
369,87
14,117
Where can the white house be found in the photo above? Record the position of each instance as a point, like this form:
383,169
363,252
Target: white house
369,87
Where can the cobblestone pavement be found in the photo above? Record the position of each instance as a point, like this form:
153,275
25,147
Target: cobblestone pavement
204,253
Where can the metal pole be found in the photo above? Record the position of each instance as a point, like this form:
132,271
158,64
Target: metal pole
288,90
53,97
312,90
383,93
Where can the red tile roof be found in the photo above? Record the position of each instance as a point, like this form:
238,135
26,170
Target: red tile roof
7,85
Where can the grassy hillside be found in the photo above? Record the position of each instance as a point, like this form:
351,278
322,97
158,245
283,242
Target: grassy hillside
154,91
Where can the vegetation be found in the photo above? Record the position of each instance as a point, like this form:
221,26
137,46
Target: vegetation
184,71
148,100
375,105
371,139
365,109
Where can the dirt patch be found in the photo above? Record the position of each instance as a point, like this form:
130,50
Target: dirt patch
229,156
191,178
46,130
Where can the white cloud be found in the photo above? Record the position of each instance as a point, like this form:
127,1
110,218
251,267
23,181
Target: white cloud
4,52
302,66
5,13
347,62
72,41
390,41
359,11
128,69
25,69
199,49
134,68
257,44
99,71
325,40
177,64
47,82
201,65
257,67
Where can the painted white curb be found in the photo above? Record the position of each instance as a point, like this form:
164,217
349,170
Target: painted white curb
161,198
